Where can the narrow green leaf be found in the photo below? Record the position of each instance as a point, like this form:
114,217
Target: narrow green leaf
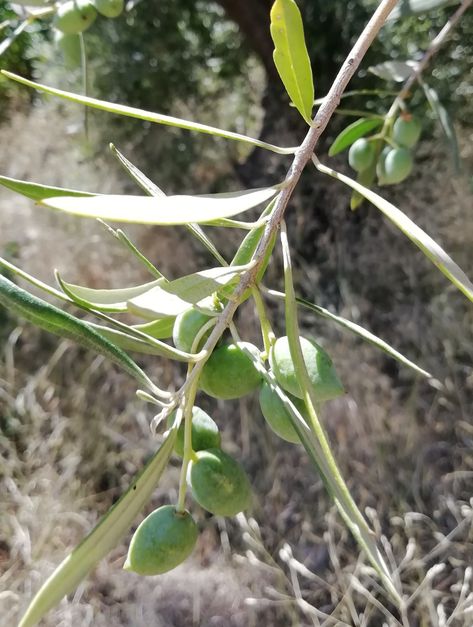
151,189
352,132
124,239
160,329
367,178
103,538
360,92
176,296
131,343
113,300
163,210
291,57
36,191
446,124
148,115
322,453
397,71
54,320
411,7
356,329
427,245
7,42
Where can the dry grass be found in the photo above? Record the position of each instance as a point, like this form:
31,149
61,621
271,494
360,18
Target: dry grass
72,433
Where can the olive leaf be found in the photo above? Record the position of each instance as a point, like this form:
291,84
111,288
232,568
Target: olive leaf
103,538
410,7
397,71
148,116
112,300
291,57
446,124
36,191
54,320
315,440
159,329
427,245
356,329
164,210
172,298
352,132
152,189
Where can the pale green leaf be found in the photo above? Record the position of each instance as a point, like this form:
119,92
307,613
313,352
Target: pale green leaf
54,320
35,191
148,115
446,124
397,71
291,57
427,245
352,132
159,329
113,300
103,538
357,330
176,296
410,7
163,210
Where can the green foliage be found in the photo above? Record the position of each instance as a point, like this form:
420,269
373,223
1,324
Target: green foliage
163,540
219,483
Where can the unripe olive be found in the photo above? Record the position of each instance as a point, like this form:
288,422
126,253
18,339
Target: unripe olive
361,155
109,8
70,47
397,165
276,414
186,327
229,372
205,432
325,382
75,16
380,165
406,131
163,540
219,483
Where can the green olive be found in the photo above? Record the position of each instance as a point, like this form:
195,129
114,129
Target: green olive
406,131
109,8
325,382
380,165
229,372
205,432
219,483
75,16
361,155
163,540
276,414
397,165
186,327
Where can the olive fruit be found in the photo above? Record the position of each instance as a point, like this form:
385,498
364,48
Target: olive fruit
70,47
322,374
361,155
406,131
75,16
187,325
205,432
229,372
219,483
397,165
276,414
163,540
109,8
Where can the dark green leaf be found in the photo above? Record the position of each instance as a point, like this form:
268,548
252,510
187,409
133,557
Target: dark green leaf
352,132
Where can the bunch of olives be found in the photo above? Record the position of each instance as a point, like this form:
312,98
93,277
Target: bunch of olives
218,482
76,16
394,162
